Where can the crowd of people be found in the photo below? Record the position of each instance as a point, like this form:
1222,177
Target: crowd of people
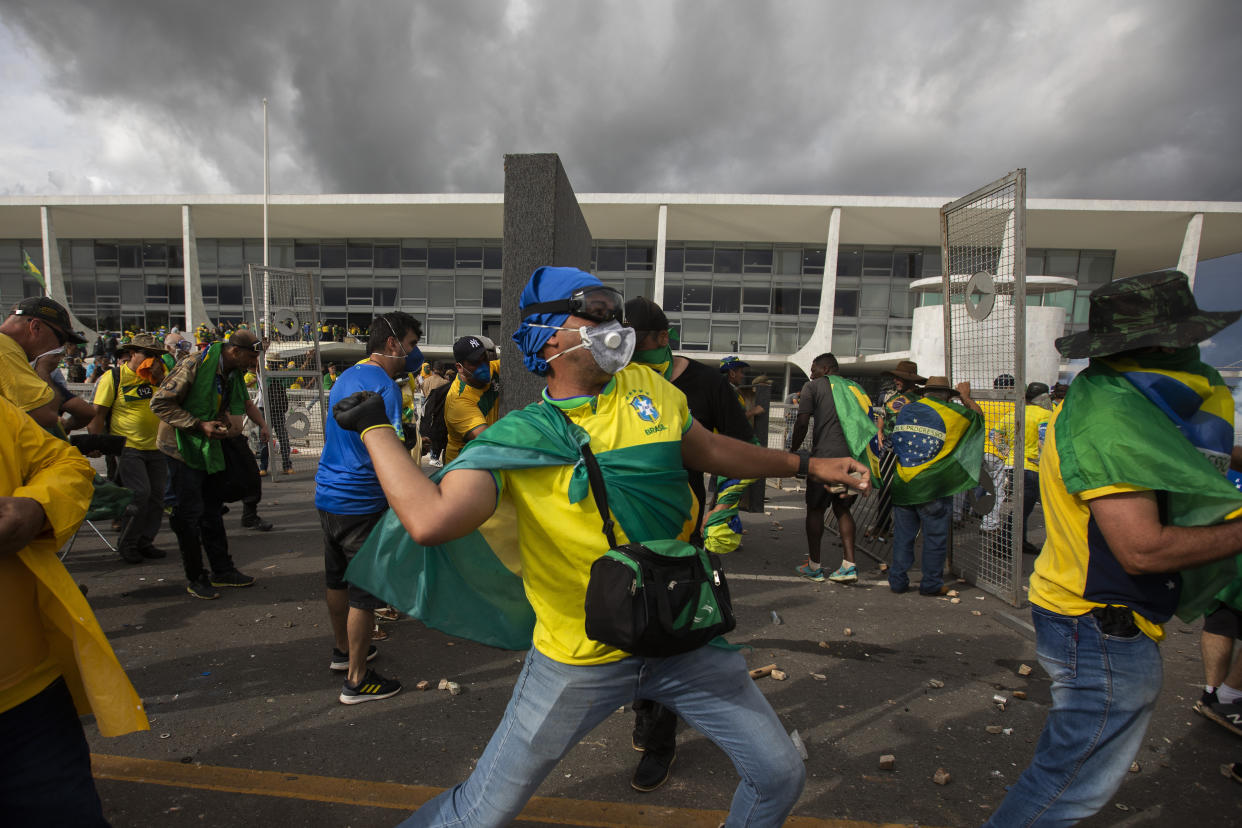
1129,461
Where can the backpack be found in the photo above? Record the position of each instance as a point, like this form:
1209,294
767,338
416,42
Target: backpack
433,426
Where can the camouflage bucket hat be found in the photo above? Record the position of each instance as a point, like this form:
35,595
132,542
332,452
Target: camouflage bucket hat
1151,310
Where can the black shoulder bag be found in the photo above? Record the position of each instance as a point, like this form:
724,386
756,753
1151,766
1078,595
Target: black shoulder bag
657,599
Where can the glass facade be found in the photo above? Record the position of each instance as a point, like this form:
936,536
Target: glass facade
749,298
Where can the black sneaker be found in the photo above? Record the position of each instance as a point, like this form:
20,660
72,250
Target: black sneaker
202,589
652,770
258,524
1208,698
340,661
149,551
1228,716
131,554
373,687
232,578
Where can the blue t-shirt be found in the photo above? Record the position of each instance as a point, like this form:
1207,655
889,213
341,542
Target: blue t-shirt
346,483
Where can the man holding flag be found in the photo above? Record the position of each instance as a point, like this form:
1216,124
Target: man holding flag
525,471
1141,521
939,447
842,429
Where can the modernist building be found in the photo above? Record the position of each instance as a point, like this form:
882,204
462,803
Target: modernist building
762,276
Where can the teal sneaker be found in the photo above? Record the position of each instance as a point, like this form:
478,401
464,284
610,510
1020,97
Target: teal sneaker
811,574
845,574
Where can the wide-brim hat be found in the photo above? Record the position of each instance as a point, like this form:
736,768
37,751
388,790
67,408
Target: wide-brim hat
1150,310
939,384
908,371
144,342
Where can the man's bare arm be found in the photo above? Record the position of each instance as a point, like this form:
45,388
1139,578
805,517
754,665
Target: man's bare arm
432,513
701,449
799,431
1130,523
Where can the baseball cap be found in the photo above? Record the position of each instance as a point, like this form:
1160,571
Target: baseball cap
52,313
731,362
469,349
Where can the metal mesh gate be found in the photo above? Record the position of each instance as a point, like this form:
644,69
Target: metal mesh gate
284,309
983,238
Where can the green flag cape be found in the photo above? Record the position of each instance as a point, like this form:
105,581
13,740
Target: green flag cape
207,397
1184,414
853,407
471,587
939,451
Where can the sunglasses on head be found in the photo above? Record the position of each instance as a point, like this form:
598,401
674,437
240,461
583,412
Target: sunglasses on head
599,304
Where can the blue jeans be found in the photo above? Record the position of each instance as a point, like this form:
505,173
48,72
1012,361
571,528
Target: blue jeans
935,516
555,705
45,767
1104,690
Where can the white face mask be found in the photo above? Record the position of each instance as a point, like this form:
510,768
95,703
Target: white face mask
57,350
611,344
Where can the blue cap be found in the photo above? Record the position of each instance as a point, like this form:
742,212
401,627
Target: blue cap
546,284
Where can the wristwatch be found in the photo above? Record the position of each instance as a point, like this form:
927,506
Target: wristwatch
804,463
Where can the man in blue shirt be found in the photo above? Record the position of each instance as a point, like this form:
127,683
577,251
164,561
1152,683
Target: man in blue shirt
350,502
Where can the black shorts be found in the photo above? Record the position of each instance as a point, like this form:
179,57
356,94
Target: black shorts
343,536
819,498
1224,620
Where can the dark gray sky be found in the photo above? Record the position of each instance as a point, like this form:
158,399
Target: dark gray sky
1099,99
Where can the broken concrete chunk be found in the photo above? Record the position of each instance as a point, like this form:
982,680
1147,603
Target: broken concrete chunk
423,685
798,744
941,776
824,644
953,593
848,631
888,762
1019,694
454,688
994,729
1135,767
935,683
1024,669
779,675
819,676
955,600
975,612
776,619
443,685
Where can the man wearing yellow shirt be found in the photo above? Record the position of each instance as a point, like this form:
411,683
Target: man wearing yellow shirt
571,332
123,408
57,661
1134,492
472,402
1038,413
36,326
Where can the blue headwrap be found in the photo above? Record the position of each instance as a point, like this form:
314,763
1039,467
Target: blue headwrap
547,284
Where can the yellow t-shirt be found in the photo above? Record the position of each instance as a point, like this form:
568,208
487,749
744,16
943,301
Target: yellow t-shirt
132,417
559,540
19,384
1073,562
466,408
998,420
1036,429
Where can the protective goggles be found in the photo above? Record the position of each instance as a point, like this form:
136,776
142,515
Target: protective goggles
599,304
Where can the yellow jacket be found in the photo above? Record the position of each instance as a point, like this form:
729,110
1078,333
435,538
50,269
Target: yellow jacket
36,465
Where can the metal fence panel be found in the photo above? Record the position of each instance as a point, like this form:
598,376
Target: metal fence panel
983,237
284,310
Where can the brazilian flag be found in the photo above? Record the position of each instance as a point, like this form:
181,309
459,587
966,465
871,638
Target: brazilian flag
939,451
472,587
29,267
853,406
1184,412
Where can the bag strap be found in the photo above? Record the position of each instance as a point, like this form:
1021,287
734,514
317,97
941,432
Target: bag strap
596,479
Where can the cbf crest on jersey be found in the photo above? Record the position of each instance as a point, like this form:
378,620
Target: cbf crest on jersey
644,408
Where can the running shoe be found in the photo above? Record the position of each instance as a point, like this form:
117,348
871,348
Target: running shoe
811,573
202,589
845,574
373,687
340,660
232,578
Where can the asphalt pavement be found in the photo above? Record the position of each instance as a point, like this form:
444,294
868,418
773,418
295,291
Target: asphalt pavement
246,728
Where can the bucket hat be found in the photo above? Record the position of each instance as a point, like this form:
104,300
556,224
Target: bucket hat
1150,310
144,342
940,384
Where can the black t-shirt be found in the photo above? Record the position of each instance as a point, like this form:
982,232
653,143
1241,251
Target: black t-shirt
712,401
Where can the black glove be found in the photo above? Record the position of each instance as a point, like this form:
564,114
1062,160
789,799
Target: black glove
361,410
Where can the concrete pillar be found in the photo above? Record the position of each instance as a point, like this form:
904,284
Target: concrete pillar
1188,261
821,337
543,225
195,310
657,288
54,274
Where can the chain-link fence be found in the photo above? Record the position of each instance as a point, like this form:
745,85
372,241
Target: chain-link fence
984,251
289,387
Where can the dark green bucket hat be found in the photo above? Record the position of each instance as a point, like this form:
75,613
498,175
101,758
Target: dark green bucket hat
1150,310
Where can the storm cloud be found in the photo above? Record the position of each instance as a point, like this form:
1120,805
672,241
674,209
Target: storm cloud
1132,100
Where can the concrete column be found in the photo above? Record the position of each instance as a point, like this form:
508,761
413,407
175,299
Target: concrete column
543,225
821,337
195,310
1188,261
54,274
657,288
